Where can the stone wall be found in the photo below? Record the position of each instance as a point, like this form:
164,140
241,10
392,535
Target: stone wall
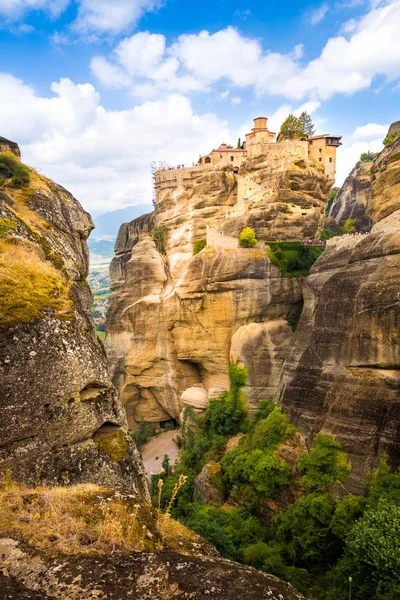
216,239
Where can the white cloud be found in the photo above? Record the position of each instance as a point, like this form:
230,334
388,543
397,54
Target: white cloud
318,15
103,16
197,61
15,9
102,156
349,26
235,100
363,139
108,73
370,131
310,107
93,16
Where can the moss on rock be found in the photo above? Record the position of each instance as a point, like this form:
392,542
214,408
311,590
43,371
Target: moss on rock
114,444
29,284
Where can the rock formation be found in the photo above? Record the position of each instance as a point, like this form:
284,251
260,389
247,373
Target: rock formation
60,417
353,197
167,575
342,373
176,319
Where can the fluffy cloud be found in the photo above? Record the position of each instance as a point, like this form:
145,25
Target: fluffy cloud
370,131
102,156
15,9
197,61
93,16
103,16
363,139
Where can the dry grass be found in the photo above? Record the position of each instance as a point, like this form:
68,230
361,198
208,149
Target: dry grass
81,519
29,284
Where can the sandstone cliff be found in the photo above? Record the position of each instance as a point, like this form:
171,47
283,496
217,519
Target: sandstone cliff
342,373
60,417
353,197
176,319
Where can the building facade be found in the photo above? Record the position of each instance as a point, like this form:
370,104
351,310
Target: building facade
260,140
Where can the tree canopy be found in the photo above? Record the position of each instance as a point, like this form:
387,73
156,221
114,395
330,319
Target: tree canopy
294,128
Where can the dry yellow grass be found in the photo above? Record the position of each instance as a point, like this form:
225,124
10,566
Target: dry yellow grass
29,284
80,519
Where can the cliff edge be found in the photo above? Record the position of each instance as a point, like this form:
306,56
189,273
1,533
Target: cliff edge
60,417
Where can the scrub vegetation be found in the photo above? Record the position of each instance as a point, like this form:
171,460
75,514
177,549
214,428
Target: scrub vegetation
285,519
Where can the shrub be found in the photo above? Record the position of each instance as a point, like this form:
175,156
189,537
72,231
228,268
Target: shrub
12,169
293,258
247,238
198,246
143,433
304,533
325,464
264,409
270,432
265,557
389,139
158,234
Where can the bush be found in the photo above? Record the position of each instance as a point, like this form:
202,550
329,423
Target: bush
264,409
144,432
11,168
198,246
304,532
265,557
158,234
270,432
226,415
247,238
389,139
325,464
293,258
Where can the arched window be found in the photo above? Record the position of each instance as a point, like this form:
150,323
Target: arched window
207,159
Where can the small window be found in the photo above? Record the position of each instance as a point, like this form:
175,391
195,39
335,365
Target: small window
232,158
310,142
320,149
330,159
320,159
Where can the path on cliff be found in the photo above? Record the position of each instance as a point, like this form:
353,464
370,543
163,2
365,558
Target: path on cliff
153,452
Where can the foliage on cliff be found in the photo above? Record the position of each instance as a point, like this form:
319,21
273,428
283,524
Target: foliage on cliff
317,538
293,258
12,171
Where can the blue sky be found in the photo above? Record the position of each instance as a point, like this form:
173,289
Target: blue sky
92,90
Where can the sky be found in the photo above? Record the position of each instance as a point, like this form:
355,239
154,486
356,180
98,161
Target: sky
94,90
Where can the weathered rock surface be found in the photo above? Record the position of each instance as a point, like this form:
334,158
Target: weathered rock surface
143,576
9,146
176,319
353,197
342,374
205,487
60,417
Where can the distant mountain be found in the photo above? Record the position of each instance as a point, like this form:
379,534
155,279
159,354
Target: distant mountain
108,224
101,247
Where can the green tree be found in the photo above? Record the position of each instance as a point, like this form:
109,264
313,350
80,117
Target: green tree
325,464
291,129
348,226
166,465
308,126
247,238
239,144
